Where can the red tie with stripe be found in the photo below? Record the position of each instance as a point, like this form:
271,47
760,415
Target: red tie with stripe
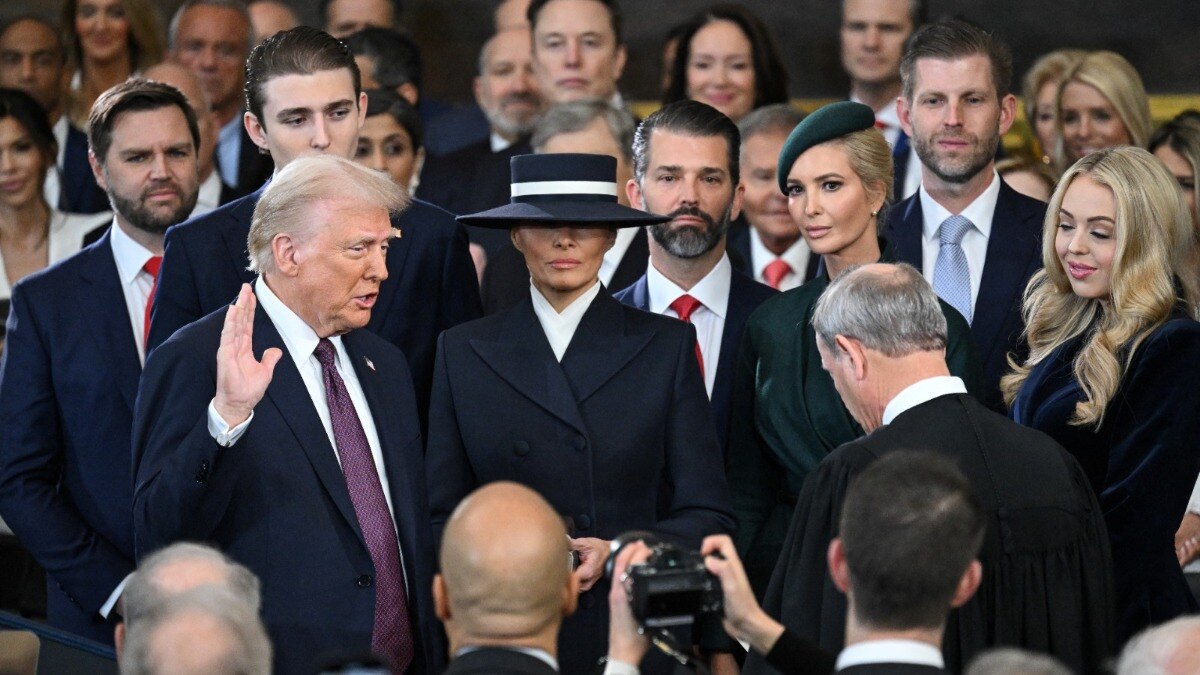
151,268
684,305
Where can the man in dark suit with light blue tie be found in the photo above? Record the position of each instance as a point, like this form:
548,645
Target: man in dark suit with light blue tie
73,356
431,282
686,167
976,239
289,438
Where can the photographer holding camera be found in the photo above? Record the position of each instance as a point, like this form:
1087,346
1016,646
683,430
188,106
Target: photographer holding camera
910,530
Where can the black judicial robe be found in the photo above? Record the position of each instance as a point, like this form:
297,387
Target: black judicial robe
1047,584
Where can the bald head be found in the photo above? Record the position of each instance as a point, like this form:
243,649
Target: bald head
182,78
505,566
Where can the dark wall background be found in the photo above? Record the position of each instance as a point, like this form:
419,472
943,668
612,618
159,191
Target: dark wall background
1157,36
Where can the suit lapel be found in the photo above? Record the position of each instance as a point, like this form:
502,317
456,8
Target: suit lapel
291,400
641,294
1008,256
600,348
904,235
110,315
234,234
736,314
522,357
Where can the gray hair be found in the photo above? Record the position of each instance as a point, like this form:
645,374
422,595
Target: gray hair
1013,661
775,117
1150,651
286,204
893,311
236,5
142,595
568,118
247,652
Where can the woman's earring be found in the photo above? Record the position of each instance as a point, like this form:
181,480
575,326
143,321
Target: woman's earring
874,213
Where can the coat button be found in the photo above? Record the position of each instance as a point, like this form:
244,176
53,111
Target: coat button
363,581
521,448
202,472
583,521
580,443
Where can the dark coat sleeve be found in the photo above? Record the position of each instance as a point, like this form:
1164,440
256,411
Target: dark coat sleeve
32,462
176,297
460,283
448,471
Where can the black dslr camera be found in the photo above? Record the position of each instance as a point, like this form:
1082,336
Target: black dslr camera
671,588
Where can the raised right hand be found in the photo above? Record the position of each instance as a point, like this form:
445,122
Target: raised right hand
241,379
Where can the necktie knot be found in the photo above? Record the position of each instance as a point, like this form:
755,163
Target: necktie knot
152,265
325,353
775,271
954,229
881,125
684,305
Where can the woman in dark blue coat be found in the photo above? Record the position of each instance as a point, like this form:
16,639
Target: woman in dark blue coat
598,406
1114,364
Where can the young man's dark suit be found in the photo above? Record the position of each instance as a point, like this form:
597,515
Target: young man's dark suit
745,296
68,381
498,661
1047,572
276,500
1014,253
431,282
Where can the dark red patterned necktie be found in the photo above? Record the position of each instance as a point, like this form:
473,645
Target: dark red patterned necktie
684,305
392,635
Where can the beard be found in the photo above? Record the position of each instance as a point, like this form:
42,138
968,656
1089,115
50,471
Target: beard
691,242
964,167
515,125
137,214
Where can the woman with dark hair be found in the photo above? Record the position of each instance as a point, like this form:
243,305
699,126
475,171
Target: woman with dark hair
32,234
107,41
391,138
728,59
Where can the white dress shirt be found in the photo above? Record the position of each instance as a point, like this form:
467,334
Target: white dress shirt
796,256
560,327
709,318
922,392
498,142
612,258
209,196
53,184
136,282
890,651
974,243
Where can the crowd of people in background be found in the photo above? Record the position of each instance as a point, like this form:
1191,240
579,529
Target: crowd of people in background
304,369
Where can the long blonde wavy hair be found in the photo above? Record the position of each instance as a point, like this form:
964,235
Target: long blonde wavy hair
1149,276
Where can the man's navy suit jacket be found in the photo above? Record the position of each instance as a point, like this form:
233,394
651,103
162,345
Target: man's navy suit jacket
745,295
431,282
1014,253
276,500
68,381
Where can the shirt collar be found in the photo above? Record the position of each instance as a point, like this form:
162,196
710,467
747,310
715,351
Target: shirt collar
231,128
921,392
712,291
208,197
130,256
571,314
299,338
979,212
795,256
539,654
498,142
890,651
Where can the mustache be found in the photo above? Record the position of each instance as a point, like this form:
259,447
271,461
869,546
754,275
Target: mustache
521,97
160,185
694,212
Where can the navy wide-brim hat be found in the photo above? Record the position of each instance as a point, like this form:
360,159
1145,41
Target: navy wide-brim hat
560,189
824,124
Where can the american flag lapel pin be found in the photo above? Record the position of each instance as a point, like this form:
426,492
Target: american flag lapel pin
370,364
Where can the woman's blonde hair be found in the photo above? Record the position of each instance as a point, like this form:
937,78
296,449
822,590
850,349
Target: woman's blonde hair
1154,240
871,159
1048,68
1118,81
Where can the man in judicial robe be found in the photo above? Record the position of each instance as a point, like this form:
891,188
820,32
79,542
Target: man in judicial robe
1047,574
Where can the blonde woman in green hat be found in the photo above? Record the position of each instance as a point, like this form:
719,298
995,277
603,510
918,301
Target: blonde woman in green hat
836,171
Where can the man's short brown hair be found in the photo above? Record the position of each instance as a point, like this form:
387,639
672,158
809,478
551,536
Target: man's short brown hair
134,95
302,50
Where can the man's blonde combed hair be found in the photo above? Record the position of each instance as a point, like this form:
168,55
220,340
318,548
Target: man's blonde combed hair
287,203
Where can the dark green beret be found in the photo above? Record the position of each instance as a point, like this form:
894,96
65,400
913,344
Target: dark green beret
827,123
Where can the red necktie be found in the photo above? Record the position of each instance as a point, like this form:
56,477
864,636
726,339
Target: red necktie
684,305
392,634
881,125
151,268
775,271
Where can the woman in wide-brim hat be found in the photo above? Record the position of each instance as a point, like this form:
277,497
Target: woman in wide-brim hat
599,407
836,170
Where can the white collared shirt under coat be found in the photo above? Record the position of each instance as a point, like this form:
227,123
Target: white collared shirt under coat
560,327
796,256
709,319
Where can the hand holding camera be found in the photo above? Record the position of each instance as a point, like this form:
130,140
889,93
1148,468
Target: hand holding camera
745,620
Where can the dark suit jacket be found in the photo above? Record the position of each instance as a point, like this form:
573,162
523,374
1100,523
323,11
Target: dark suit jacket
455,128
1014,253
276,501
1141,461
431,282
68,380
506,278
254,167
617,437
78,190
498,660
744,297
1047,582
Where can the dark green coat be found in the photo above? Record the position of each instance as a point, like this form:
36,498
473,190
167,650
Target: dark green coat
787,416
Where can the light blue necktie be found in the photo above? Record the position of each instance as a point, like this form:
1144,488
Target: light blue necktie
951,276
